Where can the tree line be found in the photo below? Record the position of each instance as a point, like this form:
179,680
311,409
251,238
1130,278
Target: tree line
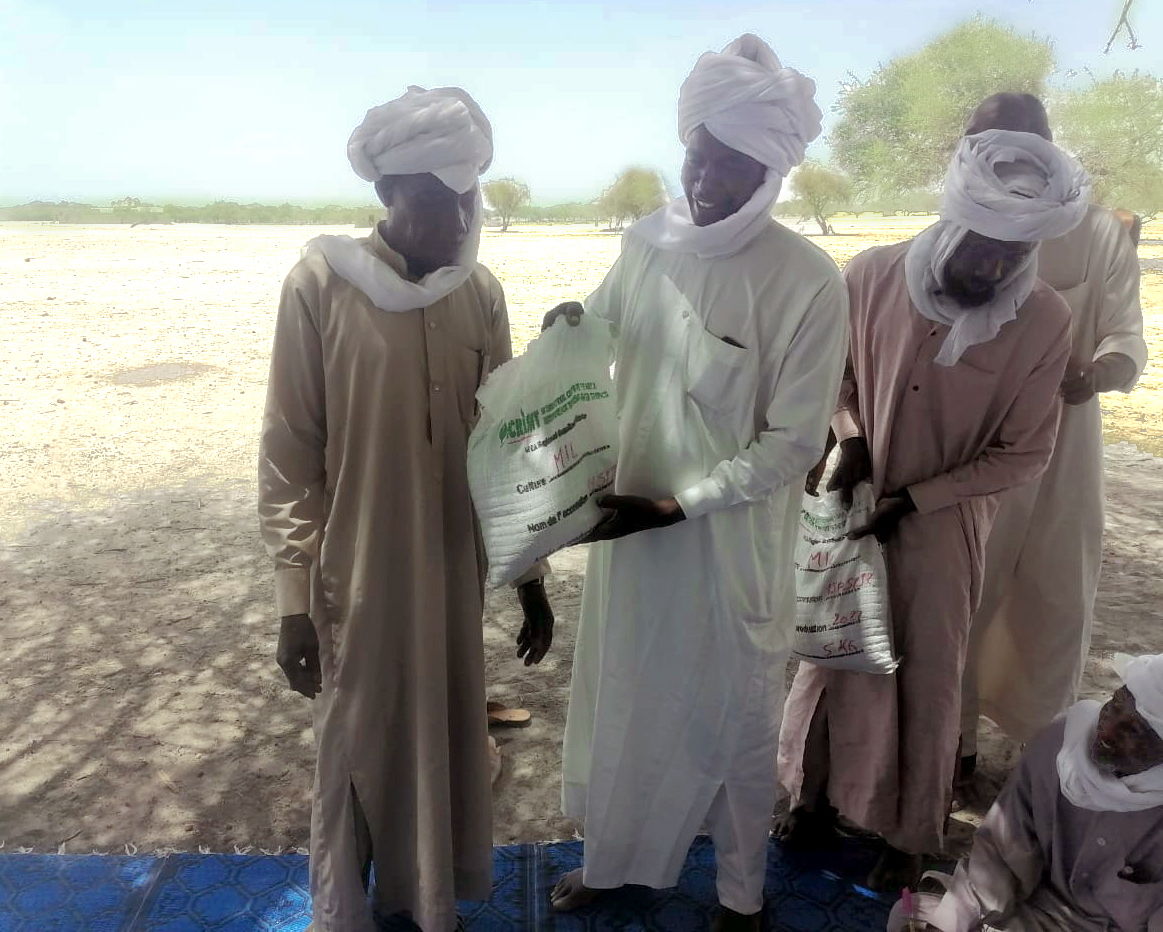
895,132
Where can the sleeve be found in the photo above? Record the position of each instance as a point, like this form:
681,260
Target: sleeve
1120,318
607,300
291,475
1021,449
846,419
500,352
796,420
1005,865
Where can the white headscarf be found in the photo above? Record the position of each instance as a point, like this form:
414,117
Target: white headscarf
443,132
1004,185
747,100
1082,782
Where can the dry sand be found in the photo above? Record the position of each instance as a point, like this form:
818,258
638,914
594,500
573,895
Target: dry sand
140,702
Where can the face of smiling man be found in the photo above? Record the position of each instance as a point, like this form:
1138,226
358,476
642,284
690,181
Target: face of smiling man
716,179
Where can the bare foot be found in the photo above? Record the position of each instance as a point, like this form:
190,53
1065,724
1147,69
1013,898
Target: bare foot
895,869
570,893
804,829
727,920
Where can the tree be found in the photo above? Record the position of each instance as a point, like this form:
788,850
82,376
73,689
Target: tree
506,196
821,191
1115,127
897,129
635,193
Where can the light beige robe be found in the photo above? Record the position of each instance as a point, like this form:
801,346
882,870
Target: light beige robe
365,507
1041,864
954,437
1031,634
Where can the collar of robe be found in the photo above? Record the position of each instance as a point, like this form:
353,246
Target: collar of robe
1088,787
368,265
671,228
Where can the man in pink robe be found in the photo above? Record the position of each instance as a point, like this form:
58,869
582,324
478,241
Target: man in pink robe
951,396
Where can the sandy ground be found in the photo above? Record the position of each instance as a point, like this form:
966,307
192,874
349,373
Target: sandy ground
140,702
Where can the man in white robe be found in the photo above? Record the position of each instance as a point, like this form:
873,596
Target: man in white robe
1031,634
1075,839
732,340
380,347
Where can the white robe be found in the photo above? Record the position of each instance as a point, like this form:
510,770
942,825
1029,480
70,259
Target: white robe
678,672
1045,551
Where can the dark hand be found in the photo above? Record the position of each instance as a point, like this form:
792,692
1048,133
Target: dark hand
1078,383
885,517
298,655
855,466
571,310
537,632
632,513
812,482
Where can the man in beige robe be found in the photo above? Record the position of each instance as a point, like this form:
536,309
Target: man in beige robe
957,352
1031,635
1075,838
380,346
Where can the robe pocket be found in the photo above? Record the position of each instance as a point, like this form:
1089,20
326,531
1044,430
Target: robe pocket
467,370
715,369
1132,904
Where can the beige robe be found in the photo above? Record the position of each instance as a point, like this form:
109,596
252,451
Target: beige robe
1041,864
954,437
1044,556
365,507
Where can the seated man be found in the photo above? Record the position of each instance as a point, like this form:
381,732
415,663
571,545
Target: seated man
1075,840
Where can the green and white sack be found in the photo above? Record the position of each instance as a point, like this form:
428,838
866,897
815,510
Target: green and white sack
545,447
842,609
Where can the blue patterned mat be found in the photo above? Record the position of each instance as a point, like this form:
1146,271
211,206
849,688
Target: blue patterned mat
239,893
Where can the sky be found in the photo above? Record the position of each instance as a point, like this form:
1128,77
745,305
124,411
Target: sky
254,100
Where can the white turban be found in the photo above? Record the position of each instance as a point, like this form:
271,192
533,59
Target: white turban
1004,185
1144,678
442,131
1014,186
750,102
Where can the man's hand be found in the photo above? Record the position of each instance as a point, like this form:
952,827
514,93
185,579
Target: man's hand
885,517
1083,381
632,513
812,482
1078,382
571,310
854,467
537,631
298,655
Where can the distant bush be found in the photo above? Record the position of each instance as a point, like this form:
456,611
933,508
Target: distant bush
132,210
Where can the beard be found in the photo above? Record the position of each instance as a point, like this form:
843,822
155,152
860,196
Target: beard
971,295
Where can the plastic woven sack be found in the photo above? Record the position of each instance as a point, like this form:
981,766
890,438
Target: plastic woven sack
545,447
842,608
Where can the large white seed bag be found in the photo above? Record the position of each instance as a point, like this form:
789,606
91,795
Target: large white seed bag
545,447
842,609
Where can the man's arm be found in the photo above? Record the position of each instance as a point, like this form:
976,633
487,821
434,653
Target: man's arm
1020,451
536,634
1121,352
291,478
797,414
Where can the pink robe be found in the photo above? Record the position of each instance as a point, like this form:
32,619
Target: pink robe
954,437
